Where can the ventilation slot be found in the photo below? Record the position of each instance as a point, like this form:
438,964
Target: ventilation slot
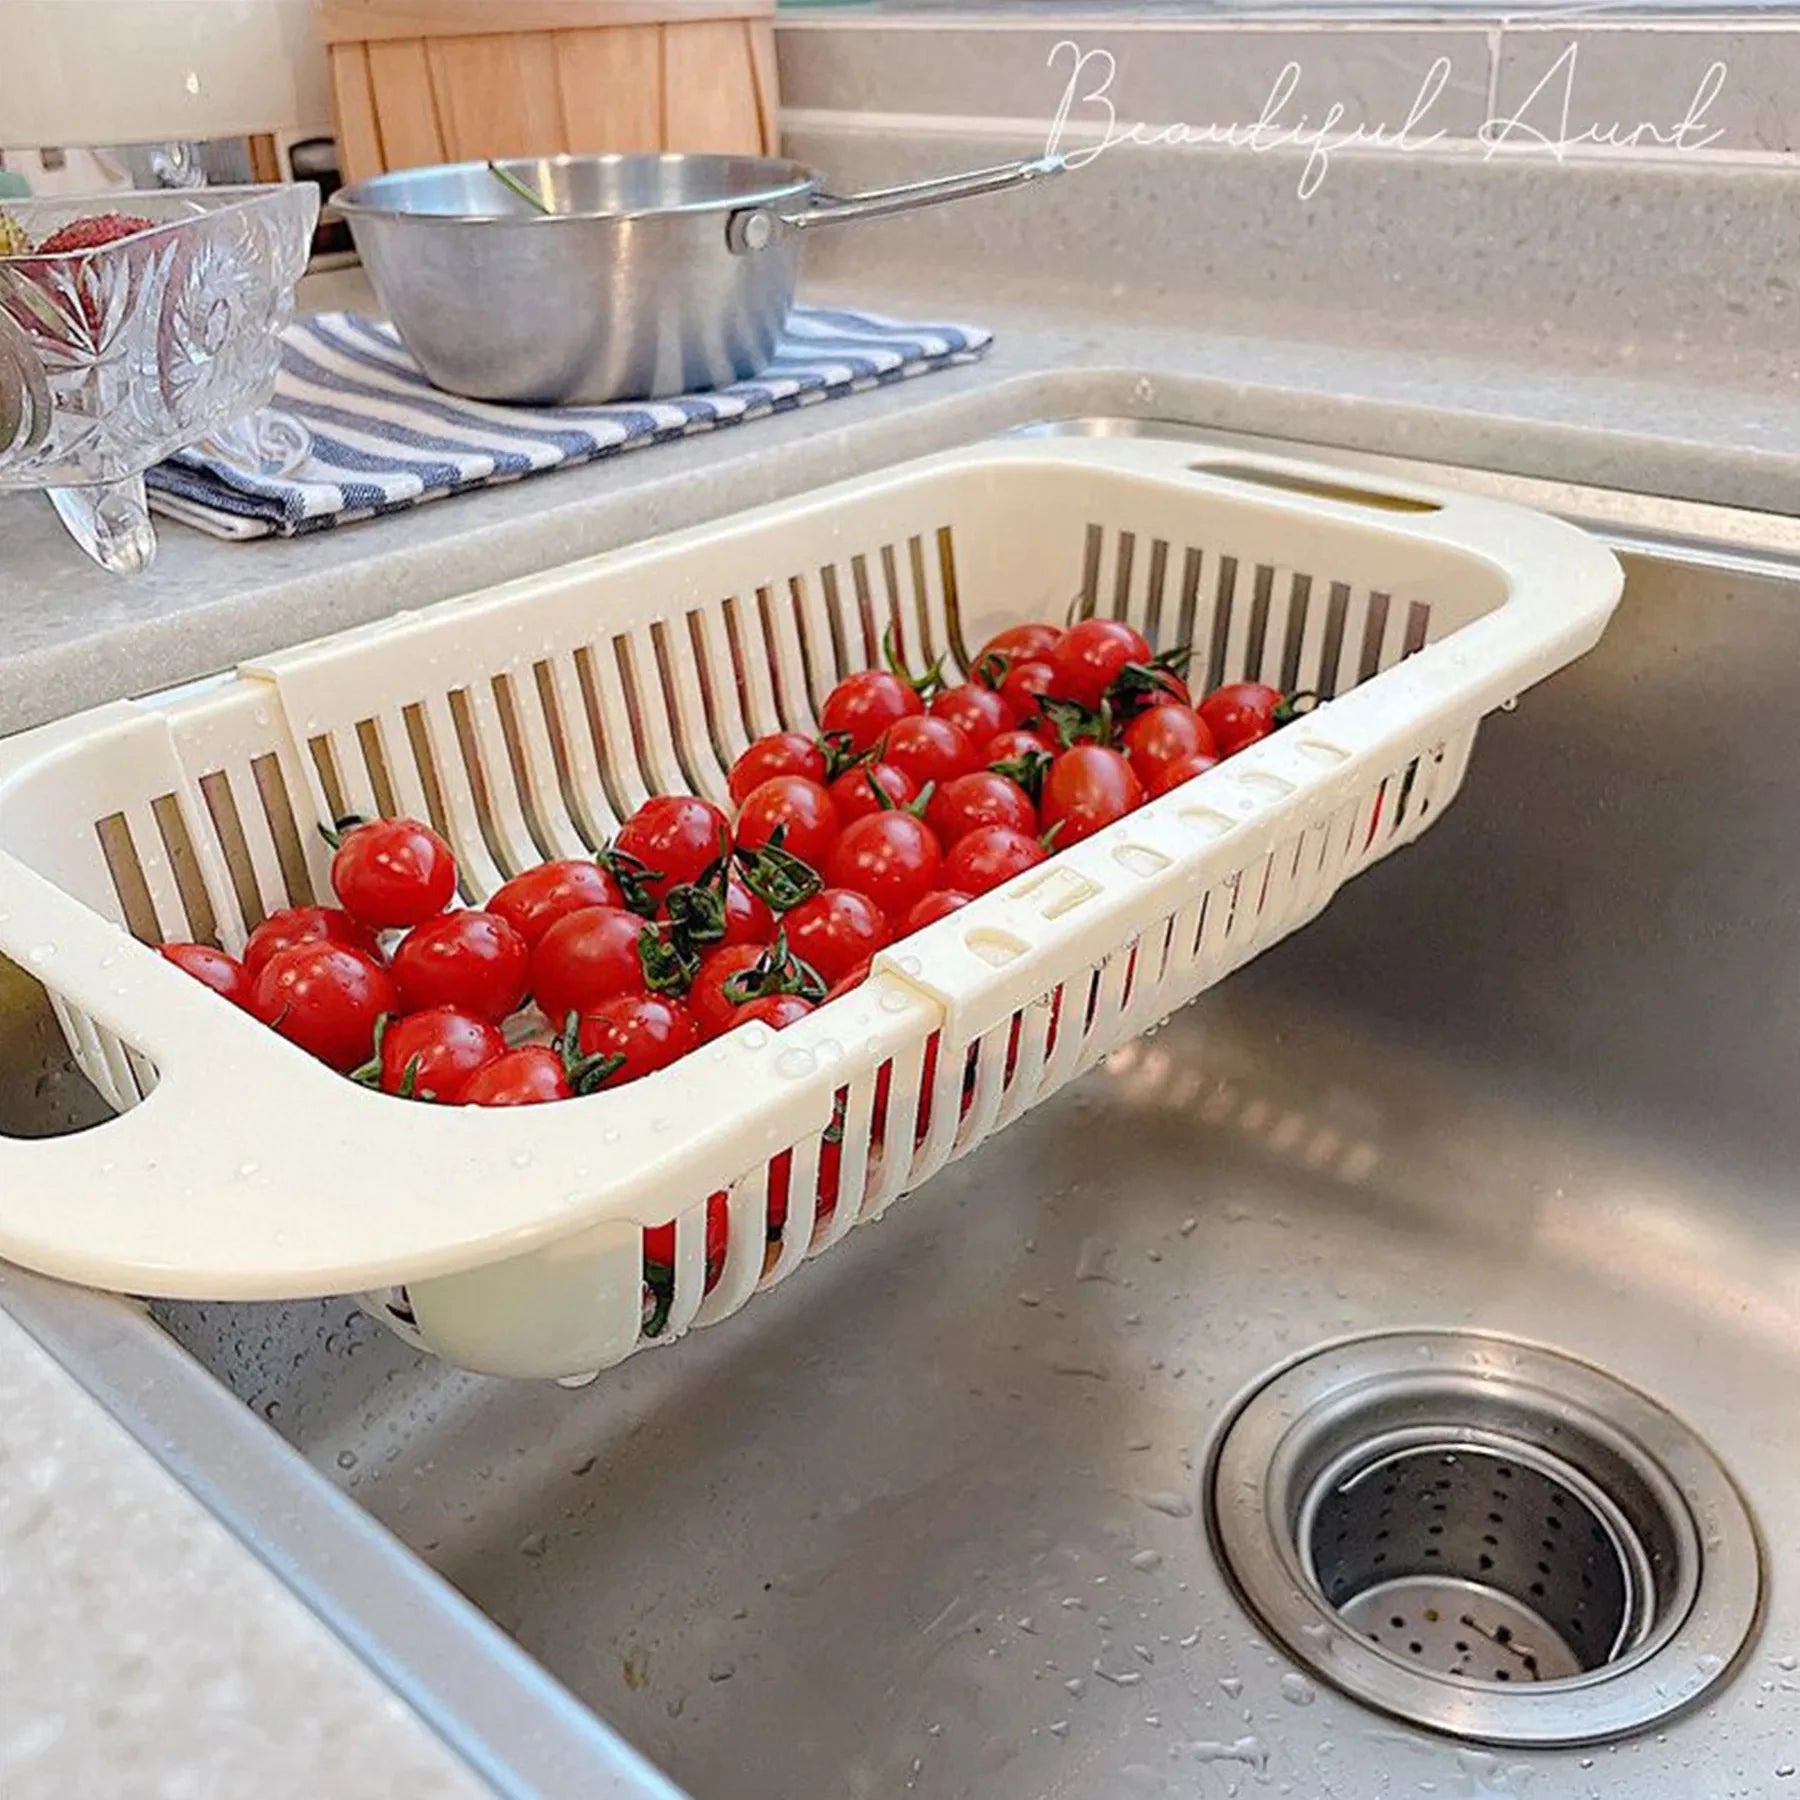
136,909
199,922
946,549
234,849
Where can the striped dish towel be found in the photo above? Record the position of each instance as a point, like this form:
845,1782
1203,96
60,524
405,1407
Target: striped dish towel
384,439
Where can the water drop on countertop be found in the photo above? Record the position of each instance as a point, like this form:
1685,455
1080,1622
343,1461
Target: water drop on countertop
1297,1690
1175,1506
1147,1559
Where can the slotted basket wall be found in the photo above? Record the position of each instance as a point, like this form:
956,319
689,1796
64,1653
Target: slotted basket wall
526,721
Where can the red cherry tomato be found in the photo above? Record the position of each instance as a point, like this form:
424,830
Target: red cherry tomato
891,857
431,1055
850,980
777,1011
225,975
305,925
677,838
1087,787
1157,687
1025,684
707,1000
985,858
800,809
470,960
585,958
831,1158
866,707
1241,712
393,873
1173,774
836,930
973,708
1163,735
972,801
854,796
531,903
1017,743
939,904
1088,660
325,998
781,753
532,1075
646,1031
748,919
659,1240
931,750
1023,642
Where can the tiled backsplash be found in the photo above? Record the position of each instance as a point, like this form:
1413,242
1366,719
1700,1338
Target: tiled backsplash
1620,78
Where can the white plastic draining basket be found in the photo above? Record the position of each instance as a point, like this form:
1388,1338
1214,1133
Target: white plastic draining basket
527,720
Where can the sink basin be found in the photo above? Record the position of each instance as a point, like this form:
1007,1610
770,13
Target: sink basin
928,1519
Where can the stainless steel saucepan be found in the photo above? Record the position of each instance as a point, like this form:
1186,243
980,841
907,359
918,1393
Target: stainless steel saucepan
582,279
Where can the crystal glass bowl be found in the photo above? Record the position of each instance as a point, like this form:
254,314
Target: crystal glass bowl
112,358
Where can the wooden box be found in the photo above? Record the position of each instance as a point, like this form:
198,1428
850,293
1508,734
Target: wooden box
431,81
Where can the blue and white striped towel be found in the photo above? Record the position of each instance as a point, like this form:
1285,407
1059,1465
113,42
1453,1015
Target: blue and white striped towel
385,439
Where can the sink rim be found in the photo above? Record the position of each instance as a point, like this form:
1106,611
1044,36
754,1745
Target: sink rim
478,1690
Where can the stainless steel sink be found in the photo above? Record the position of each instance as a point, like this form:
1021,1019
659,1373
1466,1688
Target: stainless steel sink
927,1520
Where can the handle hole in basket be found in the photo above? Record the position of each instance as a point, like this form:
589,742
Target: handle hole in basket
1345,493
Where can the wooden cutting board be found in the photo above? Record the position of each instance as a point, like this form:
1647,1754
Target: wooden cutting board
431,81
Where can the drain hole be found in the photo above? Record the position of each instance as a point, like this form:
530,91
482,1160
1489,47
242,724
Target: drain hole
1492,1523
1445,1556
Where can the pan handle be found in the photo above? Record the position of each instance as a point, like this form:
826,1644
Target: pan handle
756,229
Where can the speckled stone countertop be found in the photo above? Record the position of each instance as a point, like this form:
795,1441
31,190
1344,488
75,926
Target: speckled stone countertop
137,1634
143,1652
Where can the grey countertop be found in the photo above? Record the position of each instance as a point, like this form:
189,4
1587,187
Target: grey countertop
138,1636
145,1653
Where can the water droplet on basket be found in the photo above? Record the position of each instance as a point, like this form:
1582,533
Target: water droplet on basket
1297,1690
910,965
39,954
755,1036
893,1001
795,1062
247,1169
828,1052
521,1159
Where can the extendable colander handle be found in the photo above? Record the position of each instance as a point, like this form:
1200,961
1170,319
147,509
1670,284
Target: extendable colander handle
250,1171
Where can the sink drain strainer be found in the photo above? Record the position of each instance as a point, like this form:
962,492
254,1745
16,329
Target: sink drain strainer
1484,1538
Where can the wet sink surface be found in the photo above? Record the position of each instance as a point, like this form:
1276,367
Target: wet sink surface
926,1519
